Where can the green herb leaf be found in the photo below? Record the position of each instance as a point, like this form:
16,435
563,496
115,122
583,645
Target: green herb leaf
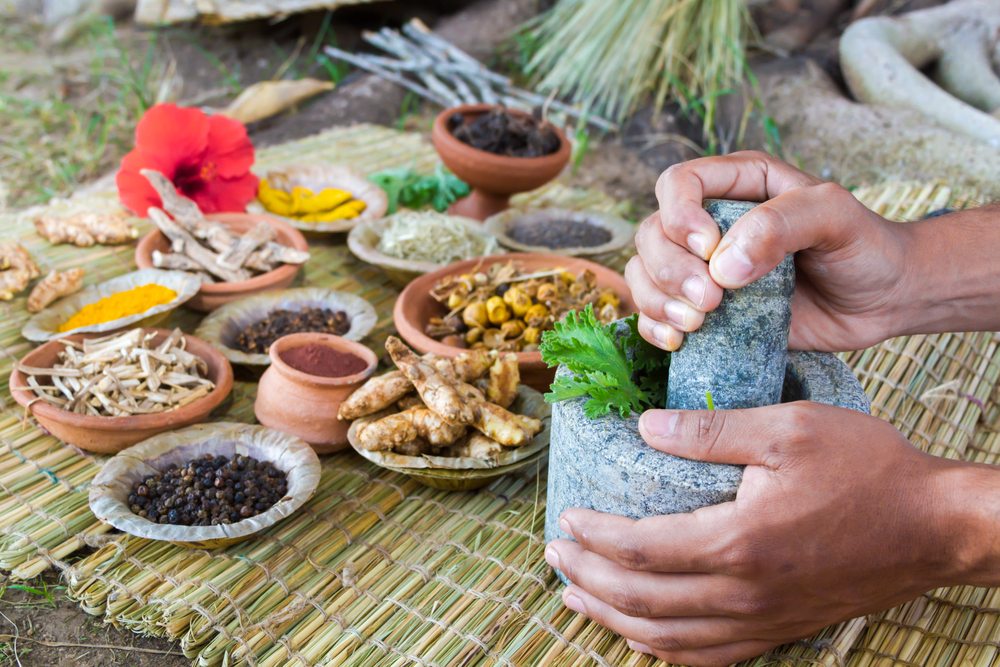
602,370
405,187
709,400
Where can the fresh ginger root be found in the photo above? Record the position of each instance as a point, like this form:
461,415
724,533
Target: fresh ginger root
86,229
438,391
383,390
501,386
54,286
405,427
477,446
17,269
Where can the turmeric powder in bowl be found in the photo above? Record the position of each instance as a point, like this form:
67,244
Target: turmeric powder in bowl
123,304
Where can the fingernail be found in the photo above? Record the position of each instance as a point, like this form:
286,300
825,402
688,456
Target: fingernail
552,556
680,313
694,289
662,335
660,423
565,527
698,243
573,602
733,265
638,646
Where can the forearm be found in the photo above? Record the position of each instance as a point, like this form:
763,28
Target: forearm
969,522
952,274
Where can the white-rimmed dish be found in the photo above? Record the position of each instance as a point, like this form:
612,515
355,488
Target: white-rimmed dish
221,327
621,231
45,325
110,489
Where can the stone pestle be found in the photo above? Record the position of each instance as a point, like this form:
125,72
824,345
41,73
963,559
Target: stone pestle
740,352
740,355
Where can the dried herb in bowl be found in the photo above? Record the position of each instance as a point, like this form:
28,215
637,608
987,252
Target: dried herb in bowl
558,233
258,336
503,133
208,491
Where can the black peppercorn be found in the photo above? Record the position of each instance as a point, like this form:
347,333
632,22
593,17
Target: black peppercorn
209,491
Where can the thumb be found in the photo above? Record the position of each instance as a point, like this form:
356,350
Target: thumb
806,217
742,437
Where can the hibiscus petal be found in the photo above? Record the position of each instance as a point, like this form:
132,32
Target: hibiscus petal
174,134
228,147
227,194
135,192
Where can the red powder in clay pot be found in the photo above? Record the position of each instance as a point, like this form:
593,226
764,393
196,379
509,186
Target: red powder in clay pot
324,361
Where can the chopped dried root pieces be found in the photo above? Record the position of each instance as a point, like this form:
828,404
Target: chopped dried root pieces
205,246
17,269
54,286
86,229
122,375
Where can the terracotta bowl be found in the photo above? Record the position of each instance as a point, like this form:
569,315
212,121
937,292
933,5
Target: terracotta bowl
415,306
306,405
494,178
213,295
109,435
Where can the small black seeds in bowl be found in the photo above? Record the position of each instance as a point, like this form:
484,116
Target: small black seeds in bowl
559,233
209,491
258,337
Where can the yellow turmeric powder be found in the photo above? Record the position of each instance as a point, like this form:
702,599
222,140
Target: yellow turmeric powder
303,204
123,304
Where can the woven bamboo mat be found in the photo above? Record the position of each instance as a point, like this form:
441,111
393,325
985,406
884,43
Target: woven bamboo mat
377,570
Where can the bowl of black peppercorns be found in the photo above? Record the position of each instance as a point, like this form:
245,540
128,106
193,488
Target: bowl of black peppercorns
205,486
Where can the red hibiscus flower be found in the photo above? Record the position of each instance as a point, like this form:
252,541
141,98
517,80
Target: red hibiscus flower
208,159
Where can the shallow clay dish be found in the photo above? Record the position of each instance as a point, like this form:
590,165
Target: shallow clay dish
108,435
45,325
453,473
221,327
109,490
306,405
494,178
622,232
318,177
415,306
364,239
213,295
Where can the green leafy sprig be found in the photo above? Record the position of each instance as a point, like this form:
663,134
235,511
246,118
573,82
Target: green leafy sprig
405,187
621,373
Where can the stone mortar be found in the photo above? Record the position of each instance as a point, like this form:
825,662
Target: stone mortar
604,465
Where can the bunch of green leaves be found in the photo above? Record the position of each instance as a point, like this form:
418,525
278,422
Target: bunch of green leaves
616,372
405,187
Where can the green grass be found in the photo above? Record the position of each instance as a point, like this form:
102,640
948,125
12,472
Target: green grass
76,125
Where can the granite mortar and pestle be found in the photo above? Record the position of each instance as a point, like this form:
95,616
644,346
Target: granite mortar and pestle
741,355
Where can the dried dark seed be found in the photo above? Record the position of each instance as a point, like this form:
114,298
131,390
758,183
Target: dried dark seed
209,491
257,337
559,233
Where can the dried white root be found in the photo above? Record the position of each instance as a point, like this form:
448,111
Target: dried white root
121,375
208,247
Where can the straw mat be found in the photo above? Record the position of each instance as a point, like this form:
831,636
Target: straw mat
377,570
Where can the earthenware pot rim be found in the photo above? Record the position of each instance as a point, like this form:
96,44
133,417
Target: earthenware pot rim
412,332
144,254
449,142
223,380
337,343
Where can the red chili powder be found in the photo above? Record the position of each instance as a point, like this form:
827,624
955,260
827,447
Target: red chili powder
316,359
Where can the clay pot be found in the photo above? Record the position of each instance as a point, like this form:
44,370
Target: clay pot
305,405
109,435
213,295
415,306
494,178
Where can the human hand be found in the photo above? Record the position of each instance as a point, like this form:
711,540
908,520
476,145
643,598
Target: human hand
837,516
849,262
